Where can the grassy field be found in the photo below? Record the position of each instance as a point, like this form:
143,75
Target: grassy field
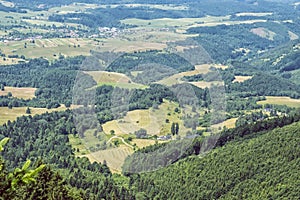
153,120
156,6
199,69
114,79
171,22
255,14
281,101
204,84
25,93
12,114
229,123
241,79
264,33
49,48
114,157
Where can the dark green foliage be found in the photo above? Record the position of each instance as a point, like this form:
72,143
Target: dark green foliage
134,61
54,81
265,166
266,85
46,137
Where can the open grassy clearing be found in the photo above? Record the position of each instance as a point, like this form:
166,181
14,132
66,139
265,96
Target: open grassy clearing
7,4
156,6
204,84
281,101
126,45
255,14
264,33
49,48
293,36
199,69
229,123
25,93
72,8
76,142
12,114
114,79
241,79
114,157
171,22
140,143
153,120
155,35
183,24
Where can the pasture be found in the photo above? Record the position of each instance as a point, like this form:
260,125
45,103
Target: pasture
199,69
281,101
12,114
24,93
264,33
152,120
114,157
229,123
113,79
241,79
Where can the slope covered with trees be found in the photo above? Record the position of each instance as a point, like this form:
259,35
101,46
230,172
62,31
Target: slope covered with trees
264,167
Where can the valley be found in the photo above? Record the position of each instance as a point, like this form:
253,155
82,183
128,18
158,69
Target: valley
198,99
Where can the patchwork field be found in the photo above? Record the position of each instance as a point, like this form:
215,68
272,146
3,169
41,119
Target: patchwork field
281,101
114,158
153,120
49,48
25,93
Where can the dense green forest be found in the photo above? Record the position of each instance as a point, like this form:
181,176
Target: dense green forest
44,138
264,167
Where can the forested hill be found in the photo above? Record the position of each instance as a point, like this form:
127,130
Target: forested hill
265,167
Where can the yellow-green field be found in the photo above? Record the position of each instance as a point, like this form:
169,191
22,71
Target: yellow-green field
183,24
12,114
114,157
114,79
171,22
25,93
49,48
281,101
241,79
154,121
199,69
229,123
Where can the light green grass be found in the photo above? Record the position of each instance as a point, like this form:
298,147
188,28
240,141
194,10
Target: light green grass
281,101
25,93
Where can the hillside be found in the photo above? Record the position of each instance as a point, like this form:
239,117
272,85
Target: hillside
264,167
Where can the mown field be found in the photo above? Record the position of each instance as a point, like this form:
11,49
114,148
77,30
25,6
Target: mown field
241,79
152,120
114,79
25,93
281,101
12,114
114,157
